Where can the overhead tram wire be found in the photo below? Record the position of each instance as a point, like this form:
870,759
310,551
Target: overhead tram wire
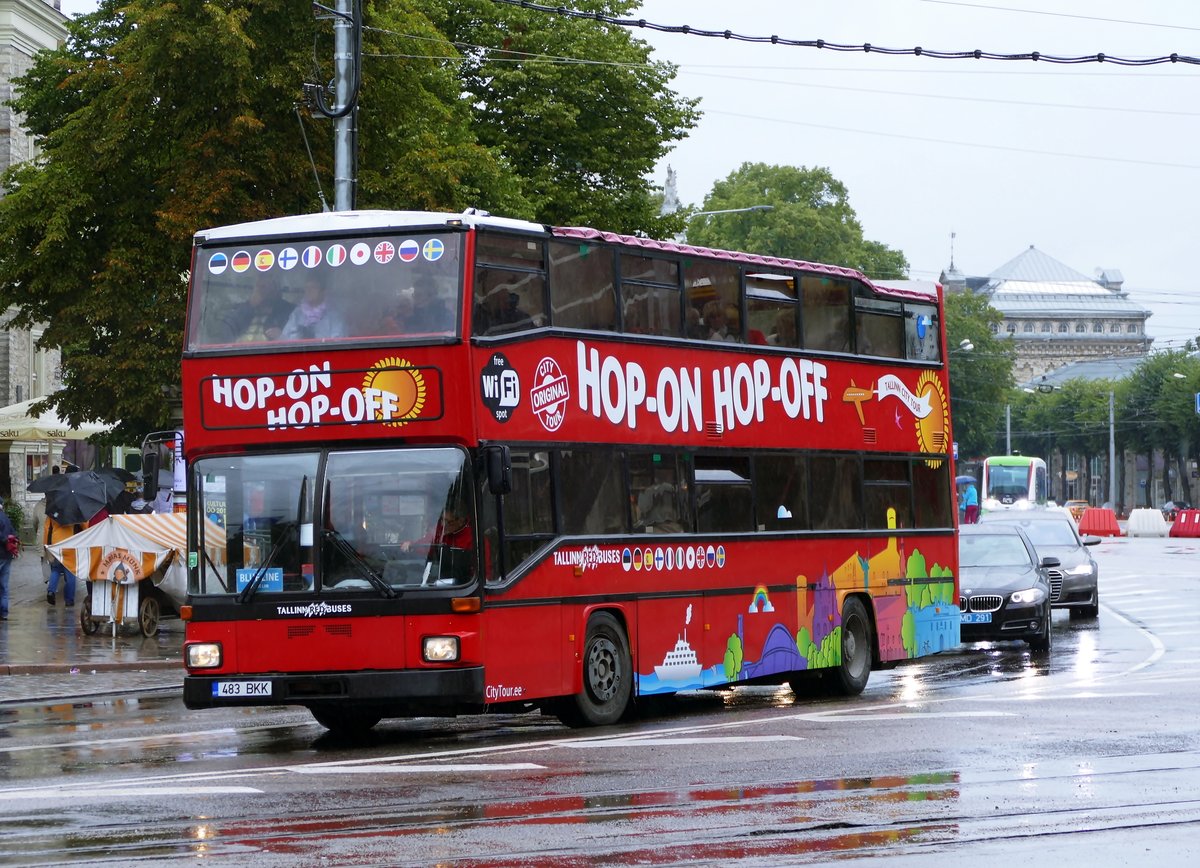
865,48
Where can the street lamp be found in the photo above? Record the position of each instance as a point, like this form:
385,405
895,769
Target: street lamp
733,210
681,238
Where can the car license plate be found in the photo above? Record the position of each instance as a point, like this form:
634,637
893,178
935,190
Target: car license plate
977,618
241,688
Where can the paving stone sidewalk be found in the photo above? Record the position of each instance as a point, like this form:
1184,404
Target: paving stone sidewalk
45,655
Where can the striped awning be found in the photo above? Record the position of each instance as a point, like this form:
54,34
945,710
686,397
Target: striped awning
129,548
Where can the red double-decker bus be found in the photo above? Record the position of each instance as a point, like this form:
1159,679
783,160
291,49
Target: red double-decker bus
457,463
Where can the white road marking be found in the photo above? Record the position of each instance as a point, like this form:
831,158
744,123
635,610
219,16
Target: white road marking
652,741
123,792
167,736
403,768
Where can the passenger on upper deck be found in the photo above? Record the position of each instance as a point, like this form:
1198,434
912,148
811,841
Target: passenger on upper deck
715,323
313,317
501,312
262,316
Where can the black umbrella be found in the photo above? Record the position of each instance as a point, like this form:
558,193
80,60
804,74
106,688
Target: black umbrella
74,498
118,473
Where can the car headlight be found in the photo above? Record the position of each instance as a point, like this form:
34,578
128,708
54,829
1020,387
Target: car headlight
439,649
204,655
1029,595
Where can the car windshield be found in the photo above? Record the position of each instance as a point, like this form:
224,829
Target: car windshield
1050,533
992,550
381,522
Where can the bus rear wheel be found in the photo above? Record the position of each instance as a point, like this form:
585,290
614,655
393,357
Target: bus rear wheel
851,674
346,721
607,676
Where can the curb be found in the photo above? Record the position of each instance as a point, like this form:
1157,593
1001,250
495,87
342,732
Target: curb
75,668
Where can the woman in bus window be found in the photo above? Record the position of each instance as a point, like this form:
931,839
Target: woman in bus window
313,318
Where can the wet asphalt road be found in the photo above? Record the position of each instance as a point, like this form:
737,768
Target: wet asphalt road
985,755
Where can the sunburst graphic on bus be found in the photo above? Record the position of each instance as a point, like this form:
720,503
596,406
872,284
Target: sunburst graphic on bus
933,428
398,377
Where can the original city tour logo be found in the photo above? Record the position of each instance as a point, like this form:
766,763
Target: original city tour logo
549,395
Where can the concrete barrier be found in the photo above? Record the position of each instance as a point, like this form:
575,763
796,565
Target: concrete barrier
1099,521
1147,522
1187,523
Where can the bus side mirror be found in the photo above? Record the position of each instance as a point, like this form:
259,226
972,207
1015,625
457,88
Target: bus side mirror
150,473
499,469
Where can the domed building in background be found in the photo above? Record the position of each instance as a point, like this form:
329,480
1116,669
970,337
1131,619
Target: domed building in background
1057,315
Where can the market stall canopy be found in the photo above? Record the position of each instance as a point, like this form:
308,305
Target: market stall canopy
129,548
18,423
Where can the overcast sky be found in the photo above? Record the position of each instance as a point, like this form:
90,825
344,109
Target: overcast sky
1094,164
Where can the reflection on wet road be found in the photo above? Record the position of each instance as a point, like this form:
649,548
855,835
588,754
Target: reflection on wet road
988,752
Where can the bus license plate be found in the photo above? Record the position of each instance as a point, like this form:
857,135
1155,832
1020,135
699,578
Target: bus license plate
977,618
241,688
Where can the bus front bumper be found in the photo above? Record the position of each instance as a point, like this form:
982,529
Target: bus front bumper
411,691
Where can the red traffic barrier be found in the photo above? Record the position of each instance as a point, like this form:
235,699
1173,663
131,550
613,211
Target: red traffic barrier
1187,523
1099,521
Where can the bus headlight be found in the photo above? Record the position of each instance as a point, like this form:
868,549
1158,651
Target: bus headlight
1029,595
439,649
204,655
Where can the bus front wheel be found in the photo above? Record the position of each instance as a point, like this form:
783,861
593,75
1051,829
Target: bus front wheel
345,721
607,676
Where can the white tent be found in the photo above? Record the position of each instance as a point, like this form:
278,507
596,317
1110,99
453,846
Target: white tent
17,423
129,548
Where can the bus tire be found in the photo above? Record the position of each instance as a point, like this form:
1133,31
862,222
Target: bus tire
849,677
607,676
345,721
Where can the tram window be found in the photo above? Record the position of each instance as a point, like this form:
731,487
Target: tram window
825,303
781,492
582,287
723,501
931,494
592,491
658,493
836,488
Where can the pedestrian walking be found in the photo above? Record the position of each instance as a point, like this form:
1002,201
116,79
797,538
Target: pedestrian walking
971,503
10,546
56,533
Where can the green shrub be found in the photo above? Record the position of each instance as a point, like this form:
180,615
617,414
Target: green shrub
15,512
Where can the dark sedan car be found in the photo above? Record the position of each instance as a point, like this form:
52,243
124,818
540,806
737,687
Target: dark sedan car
1075,585
1004,586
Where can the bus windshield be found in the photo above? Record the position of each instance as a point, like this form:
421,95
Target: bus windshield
1011,481
301,291
378,522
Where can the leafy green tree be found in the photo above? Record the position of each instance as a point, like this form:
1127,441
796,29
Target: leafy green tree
811,219
582,135
980,378
157,119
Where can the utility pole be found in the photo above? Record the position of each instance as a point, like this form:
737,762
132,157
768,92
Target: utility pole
347,81
345,123
1112,455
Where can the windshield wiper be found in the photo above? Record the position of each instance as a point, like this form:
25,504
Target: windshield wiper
288,529
340,543
247,592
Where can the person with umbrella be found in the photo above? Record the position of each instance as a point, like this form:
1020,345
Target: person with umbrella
73,501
